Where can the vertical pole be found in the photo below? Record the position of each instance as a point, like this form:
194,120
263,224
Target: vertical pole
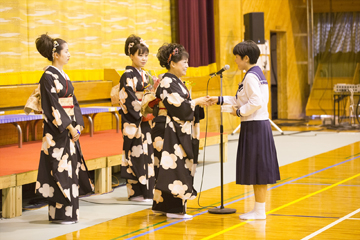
310,61
221,209
221,147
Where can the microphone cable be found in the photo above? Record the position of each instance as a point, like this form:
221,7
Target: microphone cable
203,167
206,130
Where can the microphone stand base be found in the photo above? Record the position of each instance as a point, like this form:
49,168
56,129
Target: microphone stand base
219,210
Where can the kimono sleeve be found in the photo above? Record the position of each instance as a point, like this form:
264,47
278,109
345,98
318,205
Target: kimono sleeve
78,115
129,103
51,107
171,94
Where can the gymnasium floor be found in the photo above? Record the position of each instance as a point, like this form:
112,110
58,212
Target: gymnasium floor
317,198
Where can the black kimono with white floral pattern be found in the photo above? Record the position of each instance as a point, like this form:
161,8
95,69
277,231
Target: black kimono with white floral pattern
176,146
62,174
137,165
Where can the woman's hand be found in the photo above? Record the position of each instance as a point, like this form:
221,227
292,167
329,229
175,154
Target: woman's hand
202,101
75,133
212,100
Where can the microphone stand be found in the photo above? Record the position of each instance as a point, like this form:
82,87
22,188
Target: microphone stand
221,209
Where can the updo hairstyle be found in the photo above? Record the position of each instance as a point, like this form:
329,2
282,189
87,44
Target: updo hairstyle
171,52
134,43
45,46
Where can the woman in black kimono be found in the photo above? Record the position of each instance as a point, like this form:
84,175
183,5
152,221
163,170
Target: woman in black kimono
175,135
62,174
137,165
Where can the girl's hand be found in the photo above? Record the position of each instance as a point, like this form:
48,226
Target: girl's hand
234,109
212,100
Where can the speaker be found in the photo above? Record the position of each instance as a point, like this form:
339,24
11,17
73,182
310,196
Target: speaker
254,27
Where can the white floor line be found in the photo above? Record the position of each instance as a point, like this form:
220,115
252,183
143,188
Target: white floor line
331,225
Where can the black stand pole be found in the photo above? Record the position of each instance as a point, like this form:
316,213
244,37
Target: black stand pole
221,209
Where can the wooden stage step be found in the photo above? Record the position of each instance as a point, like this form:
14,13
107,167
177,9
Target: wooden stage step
101,152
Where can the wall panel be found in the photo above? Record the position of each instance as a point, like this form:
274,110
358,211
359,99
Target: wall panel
285,16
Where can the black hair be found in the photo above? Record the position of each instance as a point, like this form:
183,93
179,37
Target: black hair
247,48
136,43
167,53
45,46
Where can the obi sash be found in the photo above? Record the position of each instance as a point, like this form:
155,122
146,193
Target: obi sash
68,105
162,109
34,102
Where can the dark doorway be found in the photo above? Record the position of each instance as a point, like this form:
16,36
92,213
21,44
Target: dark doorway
274,75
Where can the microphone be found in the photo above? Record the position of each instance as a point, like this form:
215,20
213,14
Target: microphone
226,67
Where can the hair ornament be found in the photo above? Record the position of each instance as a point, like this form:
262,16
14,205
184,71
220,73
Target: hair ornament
130,46
56,44
143,43
175,51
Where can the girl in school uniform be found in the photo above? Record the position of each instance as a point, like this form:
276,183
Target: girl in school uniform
256,162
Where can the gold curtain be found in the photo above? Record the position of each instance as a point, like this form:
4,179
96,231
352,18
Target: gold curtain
95,30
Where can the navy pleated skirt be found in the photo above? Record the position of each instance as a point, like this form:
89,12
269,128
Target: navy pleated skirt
256,161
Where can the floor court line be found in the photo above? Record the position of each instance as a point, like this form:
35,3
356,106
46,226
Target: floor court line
330,225
286,205
141,229
178,221
325,184
307,175
195,209
302,216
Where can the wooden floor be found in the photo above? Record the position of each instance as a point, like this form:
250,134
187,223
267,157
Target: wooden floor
317,198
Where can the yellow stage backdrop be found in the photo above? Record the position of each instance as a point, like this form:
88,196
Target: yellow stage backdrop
95,30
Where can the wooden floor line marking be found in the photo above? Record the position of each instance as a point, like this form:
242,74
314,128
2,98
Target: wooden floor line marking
330,225
296,179
326,184
141,229
354,155
303,216
283,206
172,223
